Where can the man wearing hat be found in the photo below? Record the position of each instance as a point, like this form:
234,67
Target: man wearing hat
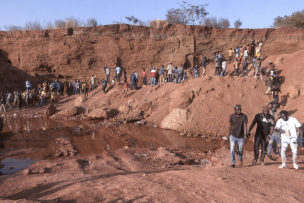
237,133
265,127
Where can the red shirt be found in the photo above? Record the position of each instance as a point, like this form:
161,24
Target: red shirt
144,75
126,85
152,74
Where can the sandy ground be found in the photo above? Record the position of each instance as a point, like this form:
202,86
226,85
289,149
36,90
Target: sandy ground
155,175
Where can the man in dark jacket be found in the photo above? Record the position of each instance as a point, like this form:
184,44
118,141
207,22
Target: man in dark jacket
245,67
265,127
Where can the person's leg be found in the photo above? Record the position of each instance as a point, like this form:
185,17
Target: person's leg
263,146
268,90
204,71
257,141
260,73
279,145
270,146
232,148
283,152
240,148
294,149
274,147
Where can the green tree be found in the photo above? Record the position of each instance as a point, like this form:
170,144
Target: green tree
295,20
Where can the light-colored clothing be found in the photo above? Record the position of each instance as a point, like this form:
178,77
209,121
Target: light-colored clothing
170,69
290,125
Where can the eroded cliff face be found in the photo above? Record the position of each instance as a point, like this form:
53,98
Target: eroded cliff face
82,52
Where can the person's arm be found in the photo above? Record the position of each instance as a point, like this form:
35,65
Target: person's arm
109,83
229,129
271,130
245,133
253,123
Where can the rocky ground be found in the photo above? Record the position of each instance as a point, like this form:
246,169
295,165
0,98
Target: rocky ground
74,168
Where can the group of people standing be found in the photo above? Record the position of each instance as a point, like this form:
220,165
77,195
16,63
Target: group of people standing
285,131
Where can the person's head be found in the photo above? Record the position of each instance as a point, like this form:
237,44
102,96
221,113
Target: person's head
247,44
245,48
204,57
240,45
237,47
104,67
195,66
144,69
284,115
266,110
171,63
125,80
176,67
230,48
270,62
162,66
237,109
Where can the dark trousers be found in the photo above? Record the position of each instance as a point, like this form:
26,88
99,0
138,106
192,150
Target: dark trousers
145,81
230,59
104,88
170,78
108,76
118,78
245,69
257,141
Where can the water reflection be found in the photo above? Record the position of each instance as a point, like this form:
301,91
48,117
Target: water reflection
13,165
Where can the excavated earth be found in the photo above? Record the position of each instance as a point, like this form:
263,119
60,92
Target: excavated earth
161,144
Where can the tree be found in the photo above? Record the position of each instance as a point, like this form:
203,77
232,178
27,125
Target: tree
187,14
217,22
59,24
132,19
295,20
33,25
238,23
12,27
92,22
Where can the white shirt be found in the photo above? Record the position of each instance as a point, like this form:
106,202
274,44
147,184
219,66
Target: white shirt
292,124
117,70
224,65
246,53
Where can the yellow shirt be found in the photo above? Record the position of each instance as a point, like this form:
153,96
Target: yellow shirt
43,94
230,52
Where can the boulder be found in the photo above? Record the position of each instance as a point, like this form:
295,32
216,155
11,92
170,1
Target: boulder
71,111
50,110
27,171
80,100
181,99
131,101
175,119
293,92
145,106
103,104
124,109
102,113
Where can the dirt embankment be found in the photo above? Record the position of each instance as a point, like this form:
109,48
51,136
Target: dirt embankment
82,52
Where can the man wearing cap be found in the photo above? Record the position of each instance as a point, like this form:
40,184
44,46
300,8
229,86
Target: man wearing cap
265,127
237,133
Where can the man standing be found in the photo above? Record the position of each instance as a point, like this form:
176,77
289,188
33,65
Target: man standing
170,72
162,79
289,128
258,68
180,73
93,82
144,77
224,66
237,133
204,65
117,71
152,74
265,126
230,54
196,71
237,52
107,72
217,67
28,85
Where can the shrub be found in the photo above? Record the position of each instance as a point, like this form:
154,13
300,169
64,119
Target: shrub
295,20
217,22
238,23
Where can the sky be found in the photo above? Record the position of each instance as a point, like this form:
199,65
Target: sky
253,14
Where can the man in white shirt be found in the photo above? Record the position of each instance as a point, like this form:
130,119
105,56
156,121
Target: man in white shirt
117,71
289,128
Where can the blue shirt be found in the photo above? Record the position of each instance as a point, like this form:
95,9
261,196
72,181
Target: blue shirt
162,71
204,63
237,51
